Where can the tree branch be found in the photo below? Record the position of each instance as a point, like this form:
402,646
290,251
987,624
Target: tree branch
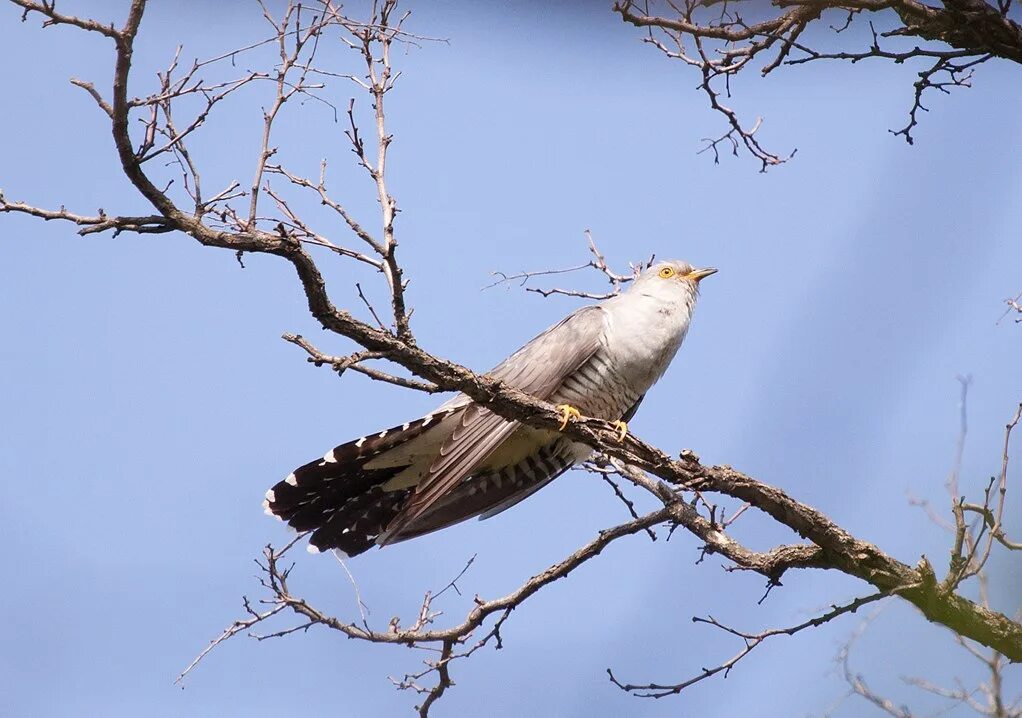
725,44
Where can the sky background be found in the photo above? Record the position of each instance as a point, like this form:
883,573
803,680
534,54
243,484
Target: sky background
147,402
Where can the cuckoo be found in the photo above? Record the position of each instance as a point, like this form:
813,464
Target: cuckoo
463,460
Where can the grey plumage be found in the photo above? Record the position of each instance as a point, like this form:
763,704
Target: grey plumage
464,460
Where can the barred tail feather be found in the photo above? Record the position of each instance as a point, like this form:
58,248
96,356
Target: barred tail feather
342,500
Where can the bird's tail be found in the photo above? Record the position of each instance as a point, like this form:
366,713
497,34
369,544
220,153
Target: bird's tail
343,498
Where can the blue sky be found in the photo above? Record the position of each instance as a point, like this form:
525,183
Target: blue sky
148,401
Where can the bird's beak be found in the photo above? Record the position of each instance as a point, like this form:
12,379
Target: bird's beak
699,274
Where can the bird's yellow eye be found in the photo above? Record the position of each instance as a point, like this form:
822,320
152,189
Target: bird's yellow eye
666,273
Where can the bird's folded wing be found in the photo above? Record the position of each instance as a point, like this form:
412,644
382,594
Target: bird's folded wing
538,369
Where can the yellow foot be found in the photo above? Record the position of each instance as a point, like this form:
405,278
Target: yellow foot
622,429
568,412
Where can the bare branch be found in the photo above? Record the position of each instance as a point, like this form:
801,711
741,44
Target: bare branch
354,362
720,44
598,262
325,199
605,469
243,624
91,89
49,11
290,59
751,641
419,634
150,224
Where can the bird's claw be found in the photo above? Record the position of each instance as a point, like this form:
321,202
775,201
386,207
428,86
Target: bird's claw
622,429
568,412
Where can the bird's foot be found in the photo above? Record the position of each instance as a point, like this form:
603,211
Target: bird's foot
622,429
568,412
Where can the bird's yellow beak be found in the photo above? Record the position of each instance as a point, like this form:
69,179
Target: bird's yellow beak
697,275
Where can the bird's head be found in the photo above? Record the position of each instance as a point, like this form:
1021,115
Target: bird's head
671,278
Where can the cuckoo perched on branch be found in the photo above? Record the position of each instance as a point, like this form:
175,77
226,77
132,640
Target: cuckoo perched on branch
463,460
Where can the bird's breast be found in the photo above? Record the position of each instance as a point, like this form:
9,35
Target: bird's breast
636,348
644,341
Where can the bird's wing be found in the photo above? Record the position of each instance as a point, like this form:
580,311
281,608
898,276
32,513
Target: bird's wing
540,366
538,369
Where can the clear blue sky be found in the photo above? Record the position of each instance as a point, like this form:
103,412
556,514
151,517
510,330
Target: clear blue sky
148,402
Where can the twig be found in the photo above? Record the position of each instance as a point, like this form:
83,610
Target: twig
598,262
354,362
751,641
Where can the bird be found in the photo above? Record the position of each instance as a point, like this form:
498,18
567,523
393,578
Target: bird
464,460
